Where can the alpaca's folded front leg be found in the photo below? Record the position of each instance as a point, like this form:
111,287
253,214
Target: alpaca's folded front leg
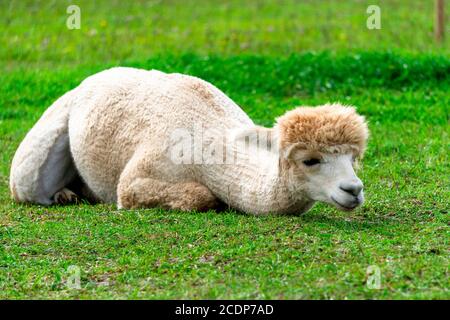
139,188
149,193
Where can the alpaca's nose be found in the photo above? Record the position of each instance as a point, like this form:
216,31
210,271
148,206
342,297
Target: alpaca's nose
353,187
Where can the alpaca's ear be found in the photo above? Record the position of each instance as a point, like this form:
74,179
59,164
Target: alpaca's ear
291,152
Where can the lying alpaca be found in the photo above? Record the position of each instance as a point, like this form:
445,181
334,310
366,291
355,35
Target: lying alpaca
131,136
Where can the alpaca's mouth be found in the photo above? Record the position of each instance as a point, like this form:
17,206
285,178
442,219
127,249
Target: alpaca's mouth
345,207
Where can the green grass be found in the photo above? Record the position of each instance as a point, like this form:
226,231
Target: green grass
402,86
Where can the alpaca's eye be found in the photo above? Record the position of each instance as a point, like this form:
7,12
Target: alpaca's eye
311,162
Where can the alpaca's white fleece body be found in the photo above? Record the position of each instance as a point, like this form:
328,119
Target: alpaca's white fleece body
116,131
118,113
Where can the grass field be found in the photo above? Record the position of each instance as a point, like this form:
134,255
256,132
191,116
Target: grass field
269,58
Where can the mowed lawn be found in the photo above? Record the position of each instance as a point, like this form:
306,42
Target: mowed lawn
269,58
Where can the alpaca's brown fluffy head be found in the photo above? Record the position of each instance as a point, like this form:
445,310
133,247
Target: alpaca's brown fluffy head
332,128
318,147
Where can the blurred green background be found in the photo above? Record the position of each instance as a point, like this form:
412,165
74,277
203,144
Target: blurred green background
35,31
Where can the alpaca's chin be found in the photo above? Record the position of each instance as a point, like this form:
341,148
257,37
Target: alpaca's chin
348,205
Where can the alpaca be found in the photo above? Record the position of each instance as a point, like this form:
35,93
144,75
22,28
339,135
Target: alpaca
144,139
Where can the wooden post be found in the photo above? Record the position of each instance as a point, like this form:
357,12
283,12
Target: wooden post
439,27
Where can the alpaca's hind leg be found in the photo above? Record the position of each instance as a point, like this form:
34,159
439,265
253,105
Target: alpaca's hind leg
44,181
75,192
42,165
65,196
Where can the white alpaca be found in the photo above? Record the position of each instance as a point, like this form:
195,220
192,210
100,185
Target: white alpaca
133,138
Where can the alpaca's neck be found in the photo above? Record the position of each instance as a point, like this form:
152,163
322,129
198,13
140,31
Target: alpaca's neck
250,180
